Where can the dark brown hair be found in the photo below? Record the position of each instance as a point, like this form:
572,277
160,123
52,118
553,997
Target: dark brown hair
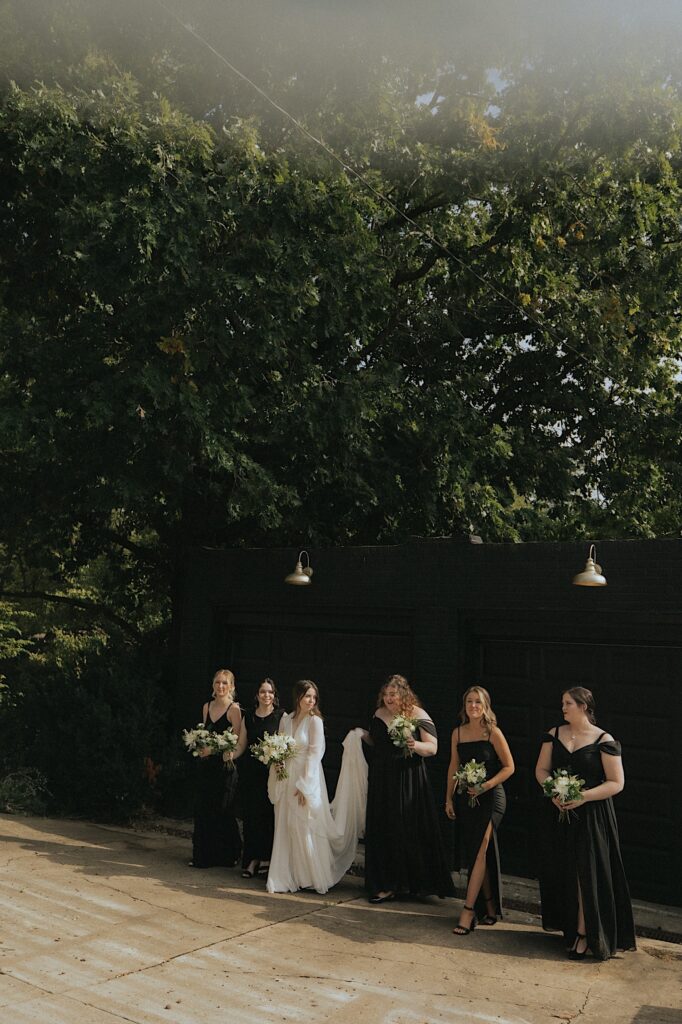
584,697
270,682
299,691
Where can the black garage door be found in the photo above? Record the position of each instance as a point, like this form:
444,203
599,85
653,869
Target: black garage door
347,655
636,686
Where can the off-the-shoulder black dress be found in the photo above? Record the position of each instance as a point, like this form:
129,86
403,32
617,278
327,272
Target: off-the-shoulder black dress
403,847
585,848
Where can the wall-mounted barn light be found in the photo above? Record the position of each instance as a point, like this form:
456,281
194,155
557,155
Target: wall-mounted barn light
300,577
591,576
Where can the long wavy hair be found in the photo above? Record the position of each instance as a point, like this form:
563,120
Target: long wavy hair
271,683
581,695
298,693
489,717
408,698
228,675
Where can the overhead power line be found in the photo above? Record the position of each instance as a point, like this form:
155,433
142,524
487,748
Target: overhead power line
425,233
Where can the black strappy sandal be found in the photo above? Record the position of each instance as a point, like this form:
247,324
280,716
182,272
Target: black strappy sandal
489,919
459,929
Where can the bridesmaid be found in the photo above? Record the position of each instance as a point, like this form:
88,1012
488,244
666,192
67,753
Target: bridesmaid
257,811
478,738
215,841
583,887
403,847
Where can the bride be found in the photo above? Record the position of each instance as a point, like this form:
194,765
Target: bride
314,843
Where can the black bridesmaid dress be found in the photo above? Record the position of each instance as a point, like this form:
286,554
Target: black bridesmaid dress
585,847
257,811
215,841
403,846
473,822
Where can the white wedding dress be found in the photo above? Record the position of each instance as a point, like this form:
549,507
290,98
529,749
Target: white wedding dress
315,843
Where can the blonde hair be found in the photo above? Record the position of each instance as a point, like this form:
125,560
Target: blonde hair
408,698
228,676
489,717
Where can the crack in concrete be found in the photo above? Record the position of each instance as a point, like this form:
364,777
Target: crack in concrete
202,922
102,1009
371,986
226,937
76,994
31,984
148,903
175,956
19,856
582,1009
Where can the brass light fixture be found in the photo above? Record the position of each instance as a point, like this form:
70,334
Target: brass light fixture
300,577
591,576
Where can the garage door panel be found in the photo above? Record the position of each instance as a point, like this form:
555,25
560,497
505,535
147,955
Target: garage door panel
635,686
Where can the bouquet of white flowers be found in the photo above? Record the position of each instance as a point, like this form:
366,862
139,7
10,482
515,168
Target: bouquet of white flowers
400,730
565,787
224,743
275,749
217,742
470,776
196,739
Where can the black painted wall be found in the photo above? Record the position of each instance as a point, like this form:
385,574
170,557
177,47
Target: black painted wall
448,613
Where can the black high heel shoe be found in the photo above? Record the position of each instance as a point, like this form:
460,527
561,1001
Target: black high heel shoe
489,919
573,953
386,898
459,929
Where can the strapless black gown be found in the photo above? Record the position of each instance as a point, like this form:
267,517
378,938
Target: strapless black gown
403,847
585,847
215,841
473,822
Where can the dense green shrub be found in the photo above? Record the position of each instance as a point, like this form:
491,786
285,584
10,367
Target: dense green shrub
23,791
97,738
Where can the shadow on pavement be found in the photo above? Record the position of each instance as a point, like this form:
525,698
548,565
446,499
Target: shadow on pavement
112,855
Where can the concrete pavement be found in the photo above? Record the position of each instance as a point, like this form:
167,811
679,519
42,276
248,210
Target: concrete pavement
99,926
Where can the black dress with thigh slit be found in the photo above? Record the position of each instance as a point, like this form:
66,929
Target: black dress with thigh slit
404,850
584,849
473,822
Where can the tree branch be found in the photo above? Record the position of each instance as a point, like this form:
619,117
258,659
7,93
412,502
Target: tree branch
433,203
96,610
405,276
145,554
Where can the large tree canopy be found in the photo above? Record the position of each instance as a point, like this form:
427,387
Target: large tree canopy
204,342
211,333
